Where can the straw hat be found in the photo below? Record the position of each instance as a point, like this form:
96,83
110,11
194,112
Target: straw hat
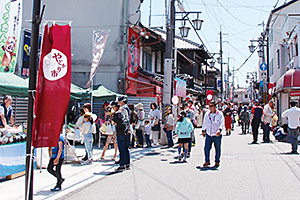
139,106
87,115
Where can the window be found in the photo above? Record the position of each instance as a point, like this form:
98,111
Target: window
236,96
147,61
246,96
278,58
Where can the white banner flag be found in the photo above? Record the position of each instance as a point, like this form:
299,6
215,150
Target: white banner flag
99,42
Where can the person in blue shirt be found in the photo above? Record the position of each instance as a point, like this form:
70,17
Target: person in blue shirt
183,129
56,160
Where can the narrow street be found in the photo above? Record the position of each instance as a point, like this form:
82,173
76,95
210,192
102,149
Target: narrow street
262,171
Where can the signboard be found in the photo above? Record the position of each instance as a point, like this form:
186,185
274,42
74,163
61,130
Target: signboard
209,96
295,93
220,83
263,67
10,29
179,87
26,53
133,56
263,75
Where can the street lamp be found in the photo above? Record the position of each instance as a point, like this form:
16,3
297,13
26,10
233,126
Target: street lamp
212,63
251,47
184,30
260,53
197,23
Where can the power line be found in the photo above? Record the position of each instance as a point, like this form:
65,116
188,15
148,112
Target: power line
233,15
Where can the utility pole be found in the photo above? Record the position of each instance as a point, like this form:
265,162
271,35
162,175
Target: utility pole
233,83
166,14
150,13
221,64
35,25
168,64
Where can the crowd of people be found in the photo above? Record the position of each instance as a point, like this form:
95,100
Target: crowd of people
127,127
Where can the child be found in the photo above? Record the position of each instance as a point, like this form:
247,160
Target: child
184,129
147,133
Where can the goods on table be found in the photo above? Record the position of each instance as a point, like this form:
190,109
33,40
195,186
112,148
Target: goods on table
11,135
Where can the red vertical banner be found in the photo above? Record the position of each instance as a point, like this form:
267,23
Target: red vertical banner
270,91
133,55
209,96
53,87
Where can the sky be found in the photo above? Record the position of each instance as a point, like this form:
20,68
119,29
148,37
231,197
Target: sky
238,19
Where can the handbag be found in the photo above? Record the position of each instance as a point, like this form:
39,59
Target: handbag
103,128
138,125
109,130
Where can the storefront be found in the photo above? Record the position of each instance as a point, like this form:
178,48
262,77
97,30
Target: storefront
287,89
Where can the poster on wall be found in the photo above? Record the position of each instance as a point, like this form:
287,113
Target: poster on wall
133,56
10,29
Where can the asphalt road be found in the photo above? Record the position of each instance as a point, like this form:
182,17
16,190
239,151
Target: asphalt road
262,171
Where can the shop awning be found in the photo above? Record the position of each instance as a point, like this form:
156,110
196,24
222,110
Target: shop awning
11,84
101,93
290,80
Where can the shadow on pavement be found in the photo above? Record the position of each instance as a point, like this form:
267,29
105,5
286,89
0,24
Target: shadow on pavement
207,168
152,154
44,193
177,162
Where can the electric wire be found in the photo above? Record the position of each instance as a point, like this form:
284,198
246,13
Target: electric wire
234,15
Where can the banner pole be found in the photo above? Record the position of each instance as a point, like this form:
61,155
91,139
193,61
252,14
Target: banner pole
31,92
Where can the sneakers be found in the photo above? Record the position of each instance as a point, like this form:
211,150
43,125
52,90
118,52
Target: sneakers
87,162
206,164
127,167
179,158
56,189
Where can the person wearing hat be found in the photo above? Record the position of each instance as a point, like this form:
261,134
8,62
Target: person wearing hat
267,119
293,115
121,121
140,124
257,112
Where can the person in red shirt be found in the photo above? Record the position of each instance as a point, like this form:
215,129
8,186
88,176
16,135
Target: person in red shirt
257,112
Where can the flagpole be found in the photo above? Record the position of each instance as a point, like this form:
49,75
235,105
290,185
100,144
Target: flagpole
36,19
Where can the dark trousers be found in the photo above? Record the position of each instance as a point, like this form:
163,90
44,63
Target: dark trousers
170,138
139,134
148,141
255,126
266,128
208,144
123,144
132,140
294,140
245,126
57,172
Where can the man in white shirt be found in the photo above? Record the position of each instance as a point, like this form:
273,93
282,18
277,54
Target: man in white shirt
213,125
293,115
267,119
